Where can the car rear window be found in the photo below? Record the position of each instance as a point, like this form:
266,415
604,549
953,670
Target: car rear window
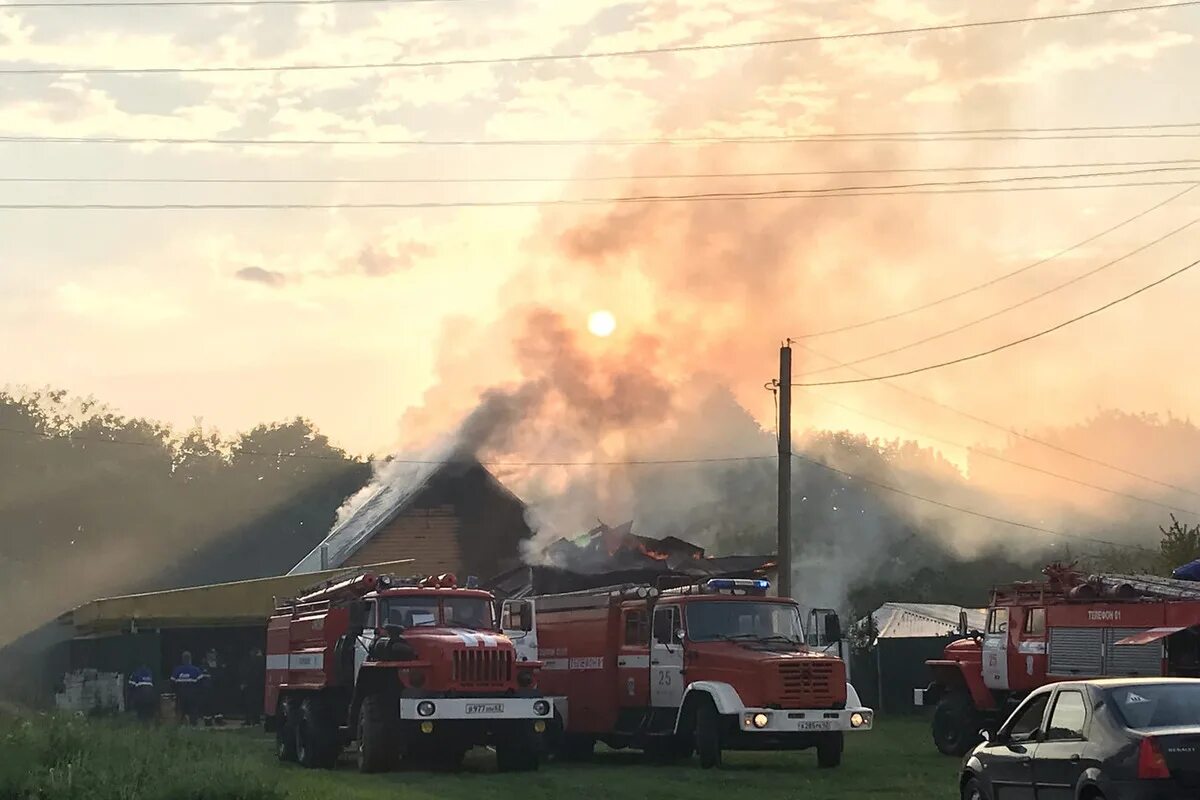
1156,705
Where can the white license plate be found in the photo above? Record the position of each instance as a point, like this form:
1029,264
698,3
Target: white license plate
485,708
818,725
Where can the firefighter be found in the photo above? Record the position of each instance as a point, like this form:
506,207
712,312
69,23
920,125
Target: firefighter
185,679
253,684
143,699
211,675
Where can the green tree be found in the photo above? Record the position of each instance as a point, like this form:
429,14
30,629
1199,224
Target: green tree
1180,544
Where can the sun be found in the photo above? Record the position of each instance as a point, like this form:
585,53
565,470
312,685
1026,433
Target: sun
602,323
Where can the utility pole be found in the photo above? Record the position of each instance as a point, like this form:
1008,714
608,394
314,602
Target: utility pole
784,545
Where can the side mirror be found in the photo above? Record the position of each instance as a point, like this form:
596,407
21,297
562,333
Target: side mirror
963,625
833,629
526,617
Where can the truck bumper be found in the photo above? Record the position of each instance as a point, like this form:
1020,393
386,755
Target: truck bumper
800,720
475,708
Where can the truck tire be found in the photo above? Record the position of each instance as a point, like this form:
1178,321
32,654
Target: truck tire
518,752
829,749
378,736
285,731
708,735
956,724
316,735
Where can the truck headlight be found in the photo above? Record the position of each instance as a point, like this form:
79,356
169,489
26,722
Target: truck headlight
761,720
525,678
541,708
416,678
425,708
857,720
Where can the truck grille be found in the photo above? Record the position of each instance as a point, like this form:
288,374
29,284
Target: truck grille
810,683
482,667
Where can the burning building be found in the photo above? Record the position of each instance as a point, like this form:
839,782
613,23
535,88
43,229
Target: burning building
608,555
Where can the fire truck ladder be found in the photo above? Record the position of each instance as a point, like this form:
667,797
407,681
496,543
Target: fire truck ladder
1151,586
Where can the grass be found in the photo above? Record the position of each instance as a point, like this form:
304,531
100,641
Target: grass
112,760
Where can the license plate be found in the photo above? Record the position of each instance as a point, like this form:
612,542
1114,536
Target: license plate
485,708
818,725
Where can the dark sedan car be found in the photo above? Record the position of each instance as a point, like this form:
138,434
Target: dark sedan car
1114,739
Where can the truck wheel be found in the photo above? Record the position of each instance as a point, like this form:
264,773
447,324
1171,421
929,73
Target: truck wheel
708,735
316,739
956,724
378,733
829,749
518,752
285,731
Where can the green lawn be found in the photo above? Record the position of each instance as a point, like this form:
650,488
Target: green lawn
897,760
63,759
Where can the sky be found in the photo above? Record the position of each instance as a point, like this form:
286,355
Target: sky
384,325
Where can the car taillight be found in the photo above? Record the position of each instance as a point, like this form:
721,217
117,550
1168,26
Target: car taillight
1151,763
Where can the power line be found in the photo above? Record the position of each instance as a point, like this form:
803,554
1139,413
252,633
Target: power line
644,51
961,509
213,3
68,437
1009,430
1013,343
1168,164
1020,303
995,280
915,136
775,194
1010,461
614,177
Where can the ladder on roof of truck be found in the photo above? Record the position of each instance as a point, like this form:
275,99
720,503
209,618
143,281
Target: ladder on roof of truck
593,598
1153,586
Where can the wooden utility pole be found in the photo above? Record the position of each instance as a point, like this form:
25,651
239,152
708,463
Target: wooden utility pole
784,545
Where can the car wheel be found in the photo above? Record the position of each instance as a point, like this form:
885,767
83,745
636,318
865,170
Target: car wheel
972,790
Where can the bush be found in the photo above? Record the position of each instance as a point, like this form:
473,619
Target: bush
69,758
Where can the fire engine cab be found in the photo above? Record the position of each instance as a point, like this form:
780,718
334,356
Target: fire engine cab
399,667
1067,626
703,668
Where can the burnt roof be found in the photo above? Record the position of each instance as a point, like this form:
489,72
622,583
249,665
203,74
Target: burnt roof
610,555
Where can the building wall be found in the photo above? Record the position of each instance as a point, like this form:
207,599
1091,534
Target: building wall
429,536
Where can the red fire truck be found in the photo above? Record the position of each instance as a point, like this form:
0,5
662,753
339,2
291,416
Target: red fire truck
1067,626
399,668
714,666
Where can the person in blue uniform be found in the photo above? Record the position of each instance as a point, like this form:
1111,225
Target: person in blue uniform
142,697
185,679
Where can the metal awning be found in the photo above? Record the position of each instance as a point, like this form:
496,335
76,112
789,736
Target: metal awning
1151,635
248,602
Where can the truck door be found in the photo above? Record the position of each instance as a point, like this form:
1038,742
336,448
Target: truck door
995,650
666,658
518,621
363,642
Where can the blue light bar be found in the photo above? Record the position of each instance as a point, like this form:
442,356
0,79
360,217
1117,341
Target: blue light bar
729,584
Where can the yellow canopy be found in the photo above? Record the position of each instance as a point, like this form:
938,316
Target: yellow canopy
238,603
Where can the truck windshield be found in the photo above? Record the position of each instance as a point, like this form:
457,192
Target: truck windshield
453,612
709,620
411,612
469,612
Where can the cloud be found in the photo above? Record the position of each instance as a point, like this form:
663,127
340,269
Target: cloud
266,277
